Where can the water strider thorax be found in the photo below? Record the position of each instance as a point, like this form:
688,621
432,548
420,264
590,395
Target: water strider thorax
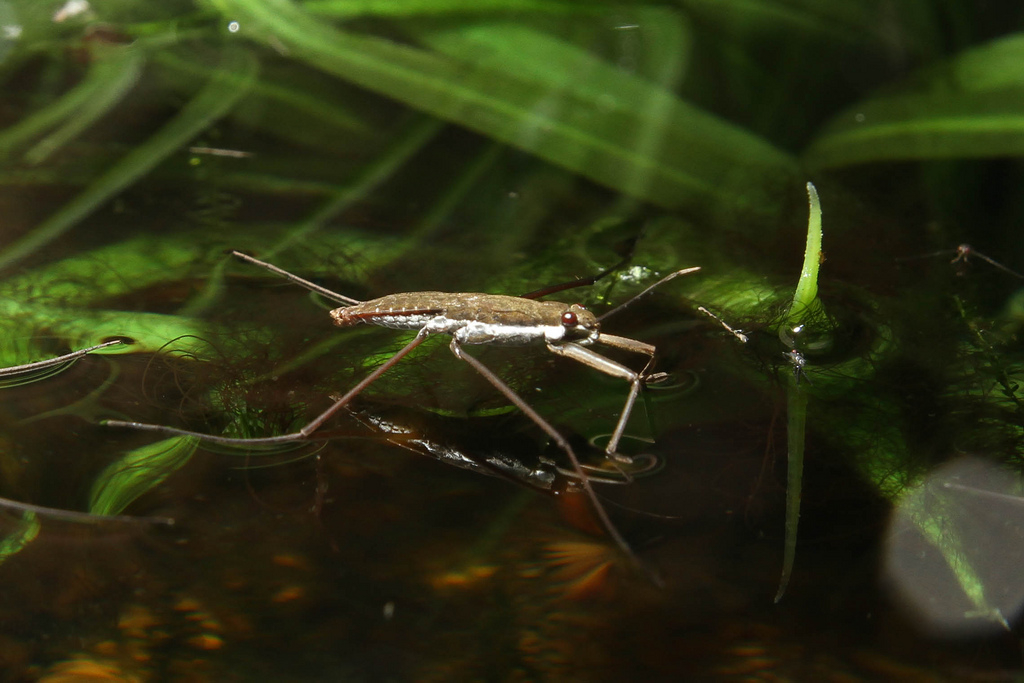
475,318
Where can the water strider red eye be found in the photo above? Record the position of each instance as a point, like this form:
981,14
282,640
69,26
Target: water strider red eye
569,319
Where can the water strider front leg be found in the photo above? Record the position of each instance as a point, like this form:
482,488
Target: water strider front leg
611,368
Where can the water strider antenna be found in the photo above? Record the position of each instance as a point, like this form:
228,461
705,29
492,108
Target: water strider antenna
323,291
659,283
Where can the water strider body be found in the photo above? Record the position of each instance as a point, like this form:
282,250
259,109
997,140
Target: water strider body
473,319
477,318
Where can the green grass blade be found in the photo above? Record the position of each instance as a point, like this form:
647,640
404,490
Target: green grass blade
805,300
296,94
213,101
972,107
119,74
571,84
834,20
114,70
594,123
350,9
383,167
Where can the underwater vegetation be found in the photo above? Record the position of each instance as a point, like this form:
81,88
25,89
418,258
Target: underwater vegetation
858,372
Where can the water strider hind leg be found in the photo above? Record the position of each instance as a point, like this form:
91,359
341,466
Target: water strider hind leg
301,435
59,360
560,440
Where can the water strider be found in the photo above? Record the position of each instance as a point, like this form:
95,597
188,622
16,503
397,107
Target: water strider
965,251
962,256
474,319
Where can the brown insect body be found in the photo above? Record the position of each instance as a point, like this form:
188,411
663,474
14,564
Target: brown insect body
476,318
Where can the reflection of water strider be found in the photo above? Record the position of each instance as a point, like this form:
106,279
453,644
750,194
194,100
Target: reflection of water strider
536,471
566,330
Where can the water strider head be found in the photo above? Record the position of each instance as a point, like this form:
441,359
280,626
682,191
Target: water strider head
579,325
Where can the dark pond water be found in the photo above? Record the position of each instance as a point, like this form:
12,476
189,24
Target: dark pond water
433,532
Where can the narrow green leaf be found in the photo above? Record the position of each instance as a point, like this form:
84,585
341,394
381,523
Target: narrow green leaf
149,332
965,510
375,173
837,20
120,72
108,77
299,94
215,99
350,9
595,122
114,270
971,107
805,300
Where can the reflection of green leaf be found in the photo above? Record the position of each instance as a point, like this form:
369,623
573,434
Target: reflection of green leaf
115,270
150,332
143,261
138,472
26,532
216,98
968,509
971,107
53,301
506,93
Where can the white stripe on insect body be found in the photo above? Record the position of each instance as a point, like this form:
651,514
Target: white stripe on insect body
473,332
